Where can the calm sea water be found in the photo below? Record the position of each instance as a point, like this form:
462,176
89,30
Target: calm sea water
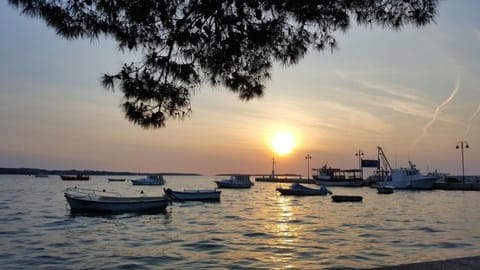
248,229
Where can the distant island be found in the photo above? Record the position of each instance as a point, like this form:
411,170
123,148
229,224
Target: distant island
33,171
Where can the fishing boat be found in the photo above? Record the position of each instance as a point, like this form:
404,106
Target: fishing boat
346,198
83,199
335,177
193,194
404,178
77,177
301,190
150,180
235,181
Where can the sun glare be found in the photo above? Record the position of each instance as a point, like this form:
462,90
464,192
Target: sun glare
283,143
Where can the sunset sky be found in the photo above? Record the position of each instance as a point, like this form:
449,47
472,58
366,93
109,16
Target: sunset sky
415,92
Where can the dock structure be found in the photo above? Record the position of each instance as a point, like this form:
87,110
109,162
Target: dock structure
456,186
458,182
465,263
452,183
284,180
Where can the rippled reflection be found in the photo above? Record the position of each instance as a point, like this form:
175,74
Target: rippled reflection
255,228
285,231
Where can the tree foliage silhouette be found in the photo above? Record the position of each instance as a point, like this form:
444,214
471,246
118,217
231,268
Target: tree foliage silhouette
225,42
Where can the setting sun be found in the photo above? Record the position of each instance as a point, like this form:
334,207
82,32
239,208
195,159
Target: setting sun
283,143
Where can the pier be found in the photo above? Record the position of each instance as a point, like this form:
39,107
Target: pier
284,180
456,186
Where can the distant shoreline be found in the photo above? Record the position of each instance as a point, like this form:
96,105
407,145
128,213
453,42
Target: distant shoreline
33,171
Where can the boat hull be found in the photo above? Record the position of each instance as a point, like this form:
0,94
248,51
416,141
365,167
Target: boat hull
288,191
425,183
301,190
151,180
117,204
143,183
194,195
221,184
74,178
346,198
385,189
116,179
235,181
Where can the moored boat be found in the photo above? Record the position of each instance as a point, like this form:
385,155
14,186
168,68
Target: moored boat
116,179
235,181
193,194
346,198
82,199
150,180
77,177
404,178
335,177
301,190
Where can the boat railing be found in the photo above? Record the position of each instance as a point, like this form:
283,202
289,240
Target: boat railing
90,193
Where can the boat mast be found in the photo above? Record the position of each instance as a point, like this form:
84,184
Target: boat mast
386,168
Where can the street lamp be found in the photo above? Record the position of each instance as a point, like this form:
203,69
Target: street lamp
308,157
359,153
461,145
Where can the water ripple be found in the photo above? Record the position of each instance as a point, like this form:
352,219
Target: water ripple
247,229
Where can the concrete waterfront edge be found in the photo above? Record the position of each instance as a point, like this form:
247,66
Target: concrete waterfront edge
464,263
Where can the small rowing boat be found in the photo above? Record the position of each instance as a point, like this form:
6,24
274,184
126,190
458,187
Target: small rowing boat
346,198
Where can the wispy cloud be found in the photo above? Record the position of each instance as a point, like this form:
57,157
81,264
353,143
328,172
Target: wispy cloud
398,92
476,32
437,111
389,96
470,121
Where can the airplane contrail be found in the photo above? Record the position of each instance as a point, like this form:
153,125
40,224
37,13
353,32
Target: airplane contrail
470,121
437,112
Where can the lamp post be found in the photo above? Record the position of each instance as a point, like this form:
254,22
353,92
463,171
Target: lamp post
461,145
273,167
308,157
359,154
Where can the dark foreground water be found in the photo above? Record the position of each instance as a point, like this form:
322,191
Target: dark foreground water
248,229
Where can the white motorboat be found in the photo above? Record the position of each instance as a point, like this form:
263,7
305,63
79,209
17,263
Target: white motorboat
235,181
83,199
301,190
150,180
193,194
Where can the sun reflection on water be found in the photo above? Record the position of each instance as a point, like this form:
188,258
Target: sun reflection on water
285,232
